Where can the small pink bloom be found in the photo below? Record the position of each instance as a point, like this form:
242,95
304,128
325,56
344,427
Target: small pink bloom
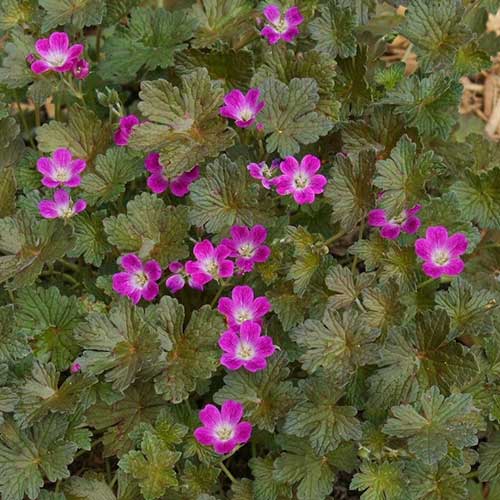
61,169
125,128
61,207
211,264
440,252
407,222
30,59
281,27
243,307
300,180
75,368
57,54
223,429
242,108
247,246
178,280
263,173
137,279
248,349
158,182
81,69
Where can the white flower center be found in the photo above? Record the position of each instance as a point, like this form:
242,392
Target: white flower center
301,181
61,174
140,279
246,250
224,432
243,315
66,212
246,114
281,26
245,351
441,257
56,59
211,267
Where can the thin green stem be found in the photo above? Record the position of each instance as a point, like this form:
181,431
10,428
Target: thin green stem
335,237
227,473
37,115
425,283
98,35
355,260
24,121
223,285
69,265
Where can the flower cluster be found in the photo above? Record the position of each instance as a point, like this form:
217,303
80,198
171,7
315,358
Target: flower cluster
243,108
61,170
300,180
59,56
281,27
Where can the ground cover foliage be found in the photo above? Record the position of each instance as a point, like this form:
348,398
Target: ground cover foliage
365,362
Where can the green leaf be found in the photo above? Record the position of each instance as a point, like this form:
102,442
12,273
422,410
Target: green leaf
379,481
8,187
153,466
319,417
197,480
436,31
347,287
150,40
266,395
16,13
479,197
489,458
440,423
290,308
333,30
468,307
284,65
78,13
429,104
140,404
151,229
265,486
84,135
121,344
349,189
470,59
15,73
435,482
41,394
27,457
27,245
221,20
300,465
13,344
338,343
184,125
80,488
50,319
192,353
232,68
403,176
8,401
225,196
420,355
90,238
383,305
112,172
290,115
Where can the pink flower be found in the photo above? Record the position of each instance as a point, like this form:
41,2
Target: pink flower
211,263
300,180
223,430
75,368
61,169
440,252
242,108
158,182
281,28
177,281
391,228
57,55
263,173
81,69
243,307
138,279
246,245
126,126
62,207
248,349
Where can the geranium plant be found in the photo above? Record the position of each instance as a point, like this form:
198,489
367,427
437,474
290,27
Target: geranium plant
249,250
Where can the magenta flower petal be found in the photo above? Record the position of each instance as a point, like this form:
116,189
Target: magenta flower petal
454,267
377,217
304,196
457,244
210,416
131,263
48,209
390,231
411,225
59,41
423,249
290,34
157,183
203,250
228,341
317,184
232,411
79,206
150,291
310,164
272,13
437,235
42,46
61,197
242,108
204,436
289,165
152,163
62,156
175,283
153,270
293,16
432,270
